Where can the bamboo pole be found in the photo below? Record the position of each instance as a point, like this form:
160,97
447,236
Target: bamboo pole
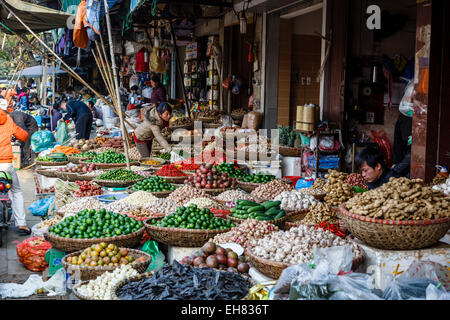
14,74
63,65
116,83
17,82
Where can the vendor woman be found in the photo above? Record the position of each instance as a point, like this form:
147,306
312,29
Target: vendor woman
374,170
154,120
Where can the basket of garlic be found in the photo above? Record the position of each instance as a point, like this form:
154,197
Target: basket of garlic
279,250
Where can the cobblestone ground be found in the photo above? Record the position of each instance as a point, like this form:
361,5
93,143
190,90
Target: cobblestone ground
11,269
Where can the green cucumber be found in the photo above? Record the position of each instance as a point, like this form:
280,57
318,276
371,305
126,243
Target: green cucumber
279,215
273,210
247,203
233,210
263,218
257,208
270,204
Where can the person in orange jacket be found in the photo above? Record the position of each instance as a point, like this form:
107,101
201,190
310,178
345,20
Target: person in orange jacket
8,129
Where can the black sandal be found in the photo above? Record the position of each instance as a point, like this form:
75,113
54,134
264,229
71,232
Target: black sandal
23,232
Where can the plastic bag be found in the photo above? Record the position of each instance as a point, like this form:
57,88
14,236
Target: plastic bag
406,105
429,270
352,286
407,289
31,253
38,232
62,133
40,207
287,277
156,63
436,293
327,143
56,285
151,247
42,140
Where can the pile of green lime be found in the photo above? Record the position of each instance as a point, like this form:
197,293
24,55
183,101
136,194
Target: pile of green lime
89,224
120,175
108,157
153,184
258,178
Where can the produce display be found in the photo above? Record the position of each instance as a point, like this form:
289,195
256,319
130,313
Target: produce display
271,189
139,198
100,288
337,190
159,207
134,153
214,256
88,224
320,212
289,137
123,207
108,157
193,217
113,142
102,254
207,177
88,189
63,192
170,170
295,200
165,156
88,154
39,190
312,191
180,195
258,178
204,203
153,184
269,210
67,150
49,223
189,166
444,187
54,157
84,145
246,231
319,184
31,252
234,195
151,162
183,121
207,113
356,180
120,175
297,245
73,207
231,169
239,112
401,199
80,168
184,282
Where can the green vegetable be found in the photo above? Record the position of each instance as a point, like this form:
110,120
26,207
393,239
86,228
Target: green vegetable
88,224
231,170
270,204
120,175
259,178
257,208
153,184
193,217
108,157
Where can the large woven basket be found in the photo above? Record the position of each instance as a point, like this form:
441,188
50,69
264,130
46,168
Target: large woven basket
52,163
181,237
111,165
273,269
130,240
207,120
67,176
185,126
179,180
77,160
278,222
160,194
116,183
217,191
290,152
248,186
153,166
296,215
394,235
49,173
89,273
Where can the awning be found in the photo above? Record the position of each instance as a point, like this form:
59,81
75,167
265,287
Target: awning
37,18
37,71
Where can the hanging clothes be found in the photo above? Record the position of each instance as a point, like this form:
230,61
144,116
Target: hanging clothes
93,18
142,61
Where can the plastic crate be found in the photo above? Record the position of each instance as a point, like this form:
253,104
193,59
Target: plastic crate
53,258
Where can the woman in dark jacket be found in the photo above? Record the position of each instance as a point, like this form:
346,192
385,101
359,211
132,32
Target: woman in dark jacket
159,92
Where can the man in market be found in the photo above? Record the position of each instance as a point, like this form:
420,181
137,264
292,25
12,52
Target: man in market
29,124
374,170
81,114
8,129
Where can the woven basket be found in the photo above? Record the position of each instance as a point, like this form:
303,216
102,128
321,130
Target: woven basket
161,162
89,273
290,152
238,117
248,186
204,119
181,237
67,176
161,194
116,183
52,163
273,269
185,126
77,160
394,235
69,245
111,165
210,125
47,173
179,180
215,192
278,222
296,215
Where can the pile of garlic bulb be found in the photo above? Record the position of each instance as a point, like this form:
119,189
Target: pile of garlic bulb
297,245
445,187
295,200
100,288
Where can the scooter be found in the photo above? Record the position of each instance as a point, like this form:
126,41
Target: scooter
5,203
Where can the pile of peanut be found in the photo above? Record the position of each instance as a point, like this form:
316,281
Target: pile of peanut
336,189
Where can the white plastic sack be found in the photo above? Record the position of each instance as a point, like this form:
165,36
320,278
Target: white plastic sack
56,285
38,232
174,157
434,293
406,105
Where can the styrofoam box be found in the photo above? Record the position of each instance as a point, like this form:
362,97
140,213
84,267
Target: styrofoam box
291,166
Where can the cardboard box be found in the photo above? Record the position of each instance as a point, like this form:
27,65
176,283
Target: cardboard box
16,157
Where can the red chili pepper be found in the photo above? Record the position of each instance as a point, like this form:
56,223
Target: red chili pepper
170,170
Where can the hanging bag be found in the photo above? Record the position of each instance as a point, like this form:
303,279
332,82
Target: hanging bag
80,34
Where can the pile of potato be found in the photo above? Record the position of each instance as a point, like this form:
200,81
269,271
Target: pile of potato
401,199
336,189
84,145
